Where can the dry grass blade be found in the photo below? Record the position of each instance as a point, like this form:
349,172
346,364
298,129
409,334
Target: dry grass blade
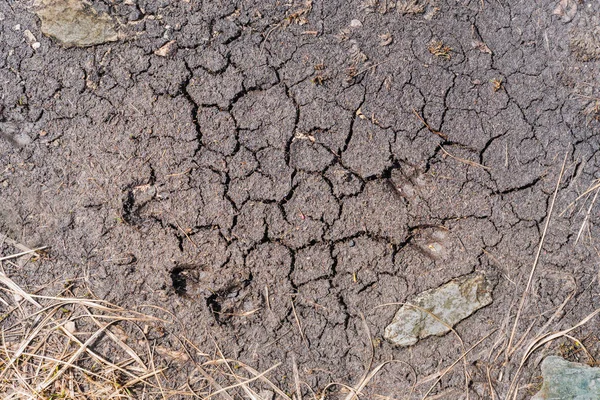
11,285
55,374
587,215
296,378
262,378
582,195
137,380
509,350
464,160
115,339
43,356
24,253
355,392
449,368
440,134
14,243
242,383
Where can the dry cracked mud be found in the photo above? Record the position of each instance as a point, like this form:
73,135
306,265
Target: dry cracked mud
281,169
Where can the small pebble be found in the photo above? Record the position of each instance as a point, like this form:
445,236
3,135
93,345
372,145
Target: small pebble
355,23
17,27
351,243
35,45
70,326
29,36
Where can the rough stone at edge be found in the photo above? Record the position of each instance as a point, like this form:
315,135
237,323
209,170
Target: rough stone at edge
568,380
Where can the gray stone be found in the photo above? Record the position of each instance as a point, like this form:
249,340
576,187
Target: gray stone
75,23
568,380
450,303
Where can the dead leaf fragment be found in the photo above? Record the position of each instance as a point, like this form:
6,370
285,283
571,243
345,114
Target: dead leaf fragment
482,47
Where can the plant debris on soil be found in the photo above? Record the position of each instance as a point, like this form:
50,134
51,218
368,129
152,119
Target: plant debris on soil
234,199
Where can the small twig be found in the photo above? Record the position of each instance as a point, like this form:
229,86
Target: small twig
463,160
24,253
186,235
298,322
440,134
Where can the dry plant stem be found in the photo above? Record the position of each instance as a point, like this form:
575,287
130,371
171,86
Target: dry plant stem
464,354
556,313
24,253
440,134
589,190
587,215
355,392
510,350
247,381
296,378
151,354
463,160
578,342
299,324
489,379
55,375
243,384
263,379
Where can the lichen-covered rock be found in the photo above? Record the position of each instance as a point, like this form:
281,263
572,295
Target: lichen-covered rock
450,303
75,23
568,380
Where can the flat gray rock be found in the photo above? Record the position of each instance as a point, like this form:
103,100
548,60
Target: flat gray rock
75,23
568,380
450,303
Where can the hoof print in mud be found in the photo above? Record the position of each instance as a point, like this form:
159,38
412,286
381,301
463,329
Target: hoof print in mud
226,303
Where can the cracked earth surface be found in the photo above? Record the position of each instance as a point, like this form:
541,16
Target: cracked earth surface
266,161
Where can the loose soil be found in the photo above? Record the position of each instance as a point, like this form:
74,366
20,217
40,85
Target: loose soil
283,171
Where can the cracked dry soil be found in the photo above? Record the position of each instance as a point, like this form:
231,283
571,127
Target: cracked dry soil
276,157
